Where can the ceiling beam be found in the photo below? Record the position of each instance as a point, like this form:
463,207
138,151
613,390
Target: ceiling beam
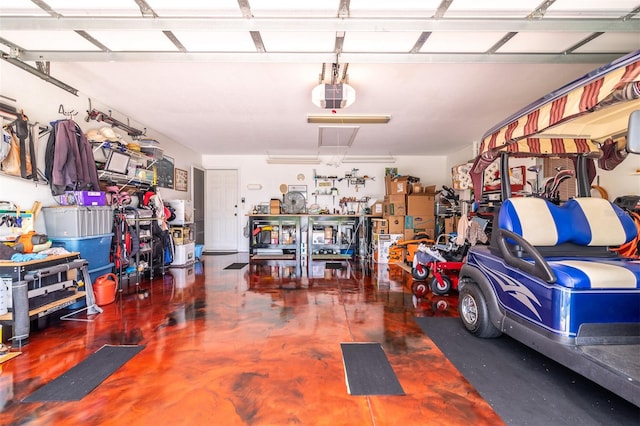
44,23
328,57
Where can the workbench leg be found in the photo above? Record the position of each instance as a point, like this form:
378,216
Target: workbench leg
21,322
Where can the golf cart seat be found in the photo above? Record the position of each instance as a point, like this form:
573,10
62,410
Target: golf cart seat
568,245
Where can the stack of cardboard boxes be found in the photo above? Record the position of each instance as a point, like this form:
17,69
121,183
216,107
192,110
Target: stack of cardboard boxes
407,210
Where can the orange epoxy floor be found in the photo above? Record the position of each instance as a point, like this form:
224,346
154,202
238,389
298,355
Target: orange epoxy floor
256,346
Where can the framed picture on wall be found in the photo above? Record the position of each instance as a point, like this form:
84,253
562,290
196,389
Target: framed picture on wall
181,180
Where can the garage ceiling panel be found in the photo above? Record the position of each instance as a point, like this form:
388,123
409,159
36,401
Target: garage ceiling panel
48,40
298,42
216,41
166,8
317,8
547,42
379,42
95,8
612,42
491,9
590,8
391,9
21,8
461,42
123,41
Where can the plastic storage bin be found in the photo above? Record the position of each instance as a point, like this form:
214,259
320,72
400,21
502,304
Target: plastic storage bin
198,250
184,211
77,221
184,255
97,272
94,249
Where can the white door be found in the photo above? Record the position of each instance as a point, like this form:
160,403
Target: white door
221,222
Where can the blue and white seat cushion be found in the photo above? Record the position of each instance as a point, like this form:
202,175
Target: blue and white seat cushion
587,222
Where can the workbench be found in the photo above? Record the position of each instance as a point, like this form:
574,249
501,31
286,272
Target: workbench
306,237
37,288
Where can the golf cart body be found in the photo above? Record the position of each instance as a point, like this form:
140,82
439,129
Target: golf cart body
549,278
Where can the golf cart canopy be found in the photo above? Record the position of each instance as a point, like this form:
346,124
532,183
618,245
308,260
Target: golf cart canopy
572,121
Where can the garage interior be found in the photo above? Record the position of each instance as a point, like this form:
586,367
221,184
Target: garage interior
233,92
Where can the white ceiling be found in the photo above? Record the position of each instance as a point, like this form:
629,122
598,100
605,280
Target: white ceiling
235,76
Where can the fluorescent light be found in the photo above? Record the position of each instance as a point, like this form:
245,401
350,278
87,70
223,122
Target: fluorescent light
348,119
289,159
369,159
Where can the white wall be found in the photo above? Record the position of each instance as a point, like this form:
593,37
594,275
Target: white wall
623,180
40,101
255,170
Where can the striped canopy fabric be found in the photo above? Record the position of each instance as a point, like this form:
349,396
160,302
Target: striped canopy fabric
543,128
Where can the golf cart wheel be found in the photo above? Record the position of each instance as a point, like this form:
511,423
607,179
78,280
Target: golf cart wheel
440,288
419,289
420,273
474,312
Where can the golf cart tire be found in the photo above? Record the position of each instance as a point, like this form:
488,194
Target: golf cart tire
440,288
474,313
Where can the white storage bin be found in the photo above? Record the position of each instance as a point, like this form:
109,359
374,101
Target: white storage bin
183,277
184,255
184,211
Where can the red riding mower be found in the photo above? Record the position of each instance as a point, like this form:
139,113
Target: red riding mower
444,260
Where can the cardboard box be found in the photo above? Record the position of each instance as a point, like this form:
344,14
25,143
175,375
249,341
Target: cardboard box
408,222
420,204
399,185
377,209
387,184
182,234
380,226
409,234
274,206
421,222
450,225
397,205
396,224
382,243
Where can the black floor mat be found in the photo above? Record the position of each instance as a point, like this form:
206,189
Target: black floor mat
523,386
238,265
78,381
368,371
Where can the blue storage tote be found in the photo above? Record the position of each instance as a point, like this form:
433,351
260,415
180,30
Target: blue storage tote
98,272
95,249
